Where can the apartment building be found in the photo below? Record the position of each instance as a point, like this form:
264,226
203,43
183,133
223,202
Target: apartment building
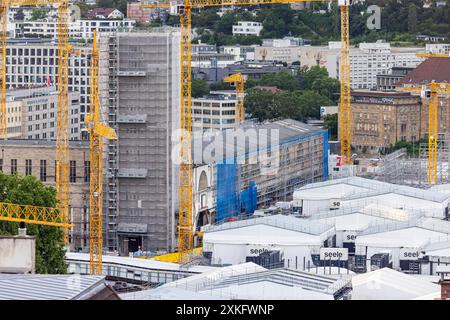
241,53
141,91
216,111
32,113
79,29
246,28
34,62
372,59
381,119
388,82
212,60
37,158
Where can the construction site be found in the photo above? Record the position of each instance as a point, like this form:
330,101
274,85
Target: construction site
148,210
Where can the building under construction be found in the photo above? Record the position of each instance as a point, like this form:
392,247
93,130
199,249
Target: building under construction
260,172
139,79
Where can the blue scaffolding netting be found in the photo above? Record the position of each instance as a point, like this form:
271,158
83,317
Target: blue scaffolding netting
226,205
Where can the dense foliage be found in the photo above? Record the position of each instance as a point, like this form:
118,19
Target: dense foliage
412,148
50,250
300,97
330,122
401,21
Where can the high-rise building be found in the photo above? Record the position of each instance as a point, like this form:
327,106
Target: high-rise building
32,113
34,62
141,87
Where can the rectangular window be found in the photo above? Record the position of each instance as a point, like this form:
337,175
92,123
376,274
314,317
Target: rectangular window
1,164
73,171
87,168
43,171
13,166
28,167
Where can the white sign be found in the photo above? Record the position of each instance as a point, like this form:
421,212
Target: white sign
410,254
255,250
335,203
349,236
334,254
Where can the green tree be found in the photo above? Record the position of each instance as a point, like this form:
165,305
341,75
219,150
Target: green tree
50,252
412,18
311,102
199,88
330,122
315,73
282,80
260,104
38,14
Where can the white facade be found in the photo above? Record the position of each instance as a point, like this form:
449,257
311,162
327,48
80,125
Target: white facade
297,239
215,112
413,236
80,29
437,48
212,60
36,63
32,113
370,60
246,28
354,192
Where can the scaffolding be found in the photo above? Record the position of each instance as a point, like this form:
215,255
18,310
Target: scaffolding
400,168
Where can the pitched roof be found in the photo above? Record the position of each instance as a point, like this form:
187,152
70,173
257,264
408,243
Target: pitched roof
100,11
432,69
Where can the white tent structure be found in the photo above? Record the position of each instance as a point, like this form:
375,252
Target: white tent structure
388,284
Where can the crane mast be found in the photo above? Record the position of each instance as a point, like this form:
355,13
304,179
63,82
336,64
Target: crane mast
344,106
97,131
185,223
95,174
3,25
62,134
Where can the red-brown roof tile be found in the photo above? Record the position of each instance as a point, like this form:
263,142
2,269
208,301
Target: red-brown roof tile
432,69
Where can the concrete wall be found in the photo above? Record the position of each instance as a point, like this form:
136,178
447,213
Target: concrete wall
17,254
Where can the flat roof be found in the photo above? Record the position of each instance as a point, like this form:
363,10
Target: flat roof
388,284
334,191
415,237
262,235
354,221
139,263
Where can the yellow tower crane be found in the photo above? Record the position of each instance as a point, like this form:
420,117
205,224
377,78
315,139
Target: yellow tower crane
185,223
238,81
32,214
97,131
432,91
62,134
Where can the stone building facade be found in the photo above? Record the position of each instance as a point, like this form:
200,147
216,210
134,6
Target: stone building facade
37,158
381,119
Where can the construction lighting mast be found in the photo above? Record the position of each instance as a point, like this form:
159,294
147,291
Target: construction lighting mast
62,134
185,223
97,131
